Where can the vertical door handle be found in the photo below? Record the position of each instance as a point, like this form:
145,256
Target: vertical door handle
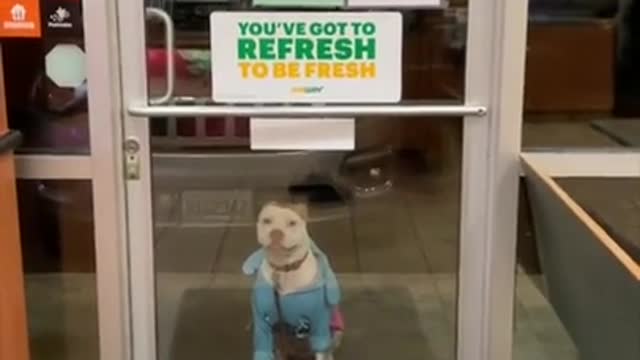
170,48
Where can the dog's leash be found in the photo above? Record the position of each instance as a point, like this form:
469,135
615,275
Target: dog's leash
276,296
285,346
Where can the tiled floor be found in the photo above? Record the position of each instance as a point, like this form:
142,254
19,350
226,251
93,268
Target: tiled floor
63,313
410,229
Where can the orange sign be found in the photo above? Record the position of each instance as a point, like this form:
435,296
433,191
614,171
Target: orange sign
20,18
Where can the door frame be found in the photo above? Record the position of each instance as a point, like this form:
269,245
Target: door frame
14,337
496,44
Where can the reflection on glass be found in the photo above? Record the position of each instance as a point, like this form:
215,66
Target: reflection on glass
386,215
573,294
581,87
45,82
56,224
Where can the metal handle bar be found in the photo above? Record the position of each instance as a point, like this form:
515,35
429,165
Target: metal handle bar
289,111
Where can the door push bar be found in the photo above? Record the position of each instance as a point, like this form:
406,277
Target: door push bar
300,111
170,47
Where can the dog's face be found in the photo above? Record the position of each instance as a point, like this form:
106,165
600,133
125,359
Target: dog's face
282,228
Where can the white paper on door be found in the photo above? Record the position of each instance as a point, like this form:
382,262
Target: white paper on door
302,134
398,3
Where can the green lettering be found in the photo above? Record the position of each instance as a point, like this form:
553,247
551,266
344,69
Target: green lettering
243,28
356,28
369,28
285,46
269,28
365,49
267,49
315,29
289,28
342,28
324,49
304,49
344,49
246,49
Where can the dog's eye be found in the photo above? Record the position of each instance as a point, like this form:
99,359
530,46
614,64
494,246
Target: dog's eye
266,221
292,223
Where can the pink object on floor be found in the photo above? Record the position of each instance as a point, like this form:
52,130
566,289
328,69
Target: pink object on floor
337,321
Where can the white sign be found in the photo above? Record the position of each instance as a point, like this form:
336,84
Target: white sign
302,134
326,57
300,3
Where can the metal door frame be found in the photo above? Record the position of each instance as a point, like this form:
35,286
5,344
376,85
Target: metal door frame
496,43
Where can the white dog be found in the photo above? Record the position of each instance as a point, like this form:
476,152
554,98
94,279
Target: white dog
291,264
282,231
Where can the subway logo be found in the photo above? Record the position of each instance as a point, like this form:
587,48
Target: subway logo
307,90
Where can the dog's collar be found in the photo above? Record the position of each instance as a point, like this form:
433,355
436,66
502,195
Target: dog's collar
291,266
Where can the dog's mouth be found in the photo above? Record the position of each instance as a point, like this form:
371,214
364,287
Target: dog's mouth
281,249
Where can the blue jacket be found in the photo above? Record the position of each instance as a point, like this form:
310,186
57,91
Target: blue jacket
308,311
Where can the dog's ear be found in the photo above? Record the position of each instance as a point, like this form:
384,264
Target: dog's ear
301,209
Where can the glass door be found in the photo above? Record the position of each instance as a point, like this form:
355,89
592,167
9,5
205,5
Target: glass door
334,165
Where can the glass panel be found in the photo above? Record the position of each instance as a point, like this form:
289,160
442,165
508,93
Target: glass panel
45,82
581,87
433,55
56,225
573,295
386,215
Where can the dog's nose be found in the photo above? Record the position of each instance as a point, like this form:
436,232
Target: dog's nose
276,235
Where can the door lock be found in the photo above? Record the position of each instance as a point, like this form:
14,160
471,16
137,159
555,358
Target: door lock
132,159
